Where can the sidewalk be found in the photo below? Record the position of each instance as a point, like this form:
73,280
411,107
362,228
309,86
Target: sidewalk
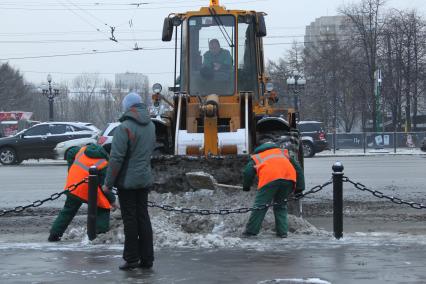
370,152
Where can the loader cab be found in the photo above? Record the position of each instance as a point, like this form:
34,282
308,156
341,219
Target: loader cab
221,51
220,78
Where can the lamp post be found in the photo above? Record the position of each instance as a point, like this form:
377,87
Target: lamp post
50,95
295,85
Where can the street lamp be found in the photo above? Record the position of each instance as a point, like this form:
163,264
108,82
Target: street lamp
50,95
295,85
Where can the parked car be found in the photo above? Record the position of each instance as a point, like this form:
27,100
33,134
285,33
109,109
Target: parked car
105,139
313,137
38,142
62,148
423,145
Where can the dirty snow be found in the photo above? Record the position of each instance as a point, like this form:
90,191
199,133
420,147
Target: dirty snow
196,231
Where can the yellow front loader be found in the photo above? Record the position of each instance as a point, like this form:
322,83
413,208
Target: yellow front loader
223,100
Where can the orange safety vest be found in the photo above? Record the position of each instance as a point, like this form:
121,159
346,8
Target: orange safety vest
80,170
273,164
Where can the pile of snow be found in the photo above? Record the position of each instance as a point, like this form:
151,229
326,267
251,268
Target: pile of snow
173,229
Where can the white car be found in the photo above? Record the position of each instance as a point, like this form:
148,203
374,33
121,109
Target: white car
62,148
105,139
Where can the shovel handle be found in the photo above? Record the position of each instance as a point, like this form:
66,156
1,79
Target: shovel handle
229,186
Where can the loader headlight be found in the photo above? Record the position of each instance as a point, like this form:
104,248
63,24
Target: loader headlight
156,88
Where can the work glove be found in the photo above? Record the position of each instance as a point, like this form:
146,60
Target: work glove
246,188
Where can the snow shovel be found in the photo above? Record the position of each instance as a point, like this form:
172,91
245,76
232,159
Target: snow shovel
202,180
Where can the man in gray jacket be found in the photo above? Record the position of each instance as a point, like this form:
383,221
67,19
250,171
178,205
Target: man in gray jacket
129,170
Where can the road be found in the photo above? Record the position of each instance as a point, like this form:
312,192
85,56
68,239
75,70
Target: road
396,175
381,244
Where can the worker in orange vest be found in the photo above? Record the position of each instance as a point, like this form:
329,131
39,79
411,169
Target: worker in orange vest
278,175
79,161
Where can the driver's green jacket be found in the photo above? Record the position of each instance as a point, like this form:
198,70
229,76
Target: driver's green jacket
223,57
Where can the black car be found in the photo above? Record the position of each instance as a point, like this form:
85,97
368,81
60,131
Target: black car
313,137
39,141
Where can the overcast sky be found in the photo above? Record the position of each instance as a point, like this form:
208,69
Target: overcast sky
35,28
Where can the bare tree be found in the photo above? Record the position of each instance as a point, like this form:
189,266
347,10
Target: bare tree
368,23
14,91
84,99
278,72
402,54
334,74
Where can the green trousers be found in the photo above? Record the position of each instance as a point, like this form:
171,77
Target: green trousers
71,206
265,196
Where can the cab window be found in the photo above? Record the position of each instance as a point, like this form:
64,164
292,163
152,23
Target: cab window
211,55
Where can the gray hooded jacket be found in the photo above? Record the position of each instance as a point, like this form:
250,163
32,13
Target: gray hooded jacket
134,140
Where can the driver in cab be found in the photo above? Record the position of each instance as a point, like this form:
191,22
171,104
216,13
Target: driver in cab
216,59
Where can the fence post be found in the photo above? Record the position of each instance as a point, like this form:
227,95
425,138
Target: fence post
338,200
394,142
334,141
364,138
92,203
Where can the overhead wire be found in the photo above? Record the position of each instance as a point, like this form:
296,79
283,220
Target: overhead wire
112,28
128,9
151,48
94,52
77,40
79,16
36,33
100,73
33,3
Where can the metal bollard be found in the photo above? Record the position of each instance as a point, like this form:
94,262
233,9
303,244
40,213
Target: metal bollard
338,200
92,203
364,141
394,142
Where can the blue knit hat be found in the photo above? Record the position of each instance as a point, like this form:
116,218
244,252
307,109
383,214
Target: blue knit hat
130,100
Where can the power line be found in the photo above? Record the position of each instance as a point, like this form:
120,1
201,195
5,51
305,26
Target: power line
53,41
84,53
57,41
112,37
35,33
90,14
19,34
32,3
126,9
94,73
149,49
82,18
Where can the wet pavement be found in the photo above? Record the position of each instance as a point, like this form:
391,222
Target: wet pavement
346,261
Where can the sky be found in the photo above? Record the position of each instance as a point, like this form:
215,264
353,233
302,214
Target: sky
34,32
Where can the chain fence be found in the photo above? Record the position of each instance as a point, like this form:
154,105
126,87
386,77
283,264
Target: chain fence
39,202
381,195
170,208
240,210
226,211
